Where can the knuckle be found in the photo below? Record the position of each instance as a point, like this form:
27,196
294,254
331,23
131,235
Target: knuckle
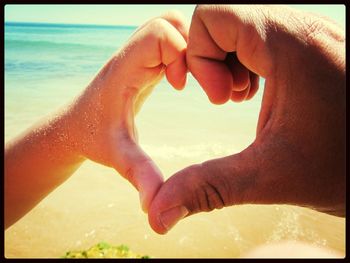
173,14
198,9
213,197
317,30
156,29
158,24
201,10
312,28
210,192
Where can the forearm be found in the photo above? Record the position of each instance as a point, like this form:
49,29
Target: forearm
36,162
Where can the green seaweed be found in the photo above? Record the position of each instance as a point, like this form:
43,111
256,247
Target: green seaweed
104,250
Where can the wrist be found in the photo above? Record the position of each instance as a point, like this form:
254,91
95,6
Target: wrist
65,135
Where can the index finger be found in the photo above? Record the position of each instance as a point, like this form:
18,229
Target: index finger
216,31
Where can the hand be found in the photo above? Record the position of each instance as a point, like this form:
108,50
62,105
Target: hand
298,156
99,125
104,129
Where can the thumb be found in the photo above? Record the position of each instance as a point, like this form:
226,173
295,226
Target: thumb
139,169
201,188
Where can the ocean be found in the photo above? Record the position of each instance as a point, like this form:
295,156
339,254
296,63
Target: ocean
46,66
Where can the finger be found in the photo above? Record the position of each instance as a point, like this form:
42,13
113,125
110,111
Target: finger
217,30
178,20
175,18
239,96
171,57
165,46
211,185
139,169
127,156
254,85
240,77
176,72
261,174
240,74
172,53
205,61
173,48
214,77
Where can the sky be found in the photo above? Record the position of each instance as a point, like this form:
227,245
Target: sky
125,14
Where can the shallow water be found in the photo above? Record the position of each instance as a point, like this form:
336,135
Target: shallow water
46,70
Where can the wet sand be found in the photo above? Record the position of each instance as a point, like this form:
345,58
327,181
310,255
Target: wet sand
96,204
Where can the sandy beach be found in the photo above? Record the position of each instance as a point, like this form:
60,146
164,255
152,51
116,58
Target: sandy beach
97,205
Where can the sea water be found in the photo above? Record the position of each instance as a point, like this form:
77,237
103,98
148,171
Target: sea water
46,66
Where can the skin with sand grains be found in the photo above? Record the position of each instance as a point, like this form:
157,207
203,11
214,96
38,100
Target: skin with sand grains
99,125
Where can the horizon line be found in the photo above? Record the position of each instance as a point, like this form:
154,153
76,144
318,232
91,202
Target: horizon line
68,24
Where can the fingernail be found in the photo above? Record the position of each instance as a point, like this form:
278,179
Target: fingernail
170,217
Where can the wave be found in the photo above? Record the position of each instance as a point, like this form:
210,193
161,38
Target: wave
40,44
204,150
58,25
